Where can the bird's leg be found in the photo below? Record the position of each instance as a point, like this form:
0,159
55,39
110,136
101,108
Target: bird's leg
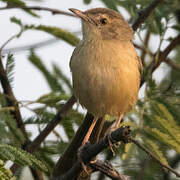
97,130
86,138
118,121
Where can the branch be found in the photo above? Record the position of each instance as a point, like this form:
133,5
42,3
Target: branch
12,102
143,15
162,57
10,98
52,10
172,64
69,157
146,41
32,147
51,125
89,151
67,160
155,158
107,169
144,49
174,163
163,54
36,45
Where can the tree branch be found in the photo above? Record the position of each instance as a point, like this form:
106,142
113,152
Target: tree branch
107,169
10,98
12,102
89,151
32,147
51,125
52,10
172,64
163,55
67,160
155,158
143,15
146,41
173,163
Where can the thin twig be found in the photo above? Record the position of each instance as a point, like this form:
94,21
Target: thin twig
155,158
146,41
36,45
10,98
163,54
12,101
172,64
107,169
143,15
51,125
52,10
9,40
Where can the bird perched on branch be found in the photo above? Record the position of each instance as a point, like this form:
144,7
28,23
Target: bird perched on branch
105,66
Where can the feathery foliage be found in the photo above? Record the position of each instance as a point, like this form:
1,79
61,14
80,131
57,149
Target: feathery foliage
10,68
5,174
21,157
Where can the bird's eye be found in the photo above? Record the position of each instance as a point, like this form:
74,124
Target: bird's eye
103,21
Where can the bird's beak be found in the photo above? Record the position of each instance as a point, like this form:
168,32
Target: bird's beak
82,15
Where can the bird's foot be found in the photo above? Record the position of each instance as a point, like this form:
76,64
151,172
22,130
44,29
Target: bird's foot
110,141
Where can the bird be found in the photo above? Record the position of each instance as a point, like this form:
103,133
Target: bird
106,69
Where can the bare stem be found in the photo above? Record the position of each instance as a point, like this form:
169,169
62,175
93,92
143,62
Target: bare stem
38,8
155,158
145,14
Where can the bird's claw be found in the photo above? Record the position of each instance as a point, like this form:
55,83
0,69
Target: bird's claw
126,131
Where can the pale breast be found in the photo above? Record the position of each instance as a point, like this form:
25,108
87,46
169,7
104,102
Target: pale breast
105,76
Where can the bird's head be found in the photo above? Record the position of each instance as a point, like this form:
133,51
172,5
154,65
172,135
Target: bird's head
105,24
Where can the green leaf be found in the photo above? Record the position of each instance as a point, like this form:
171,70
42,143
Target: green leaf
57,32
166,121
21,157
14,2
10,64
14,133
52,98
3,99
164,138
153,148
112,4
42,117
21,4
87,1
5,174
16,20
